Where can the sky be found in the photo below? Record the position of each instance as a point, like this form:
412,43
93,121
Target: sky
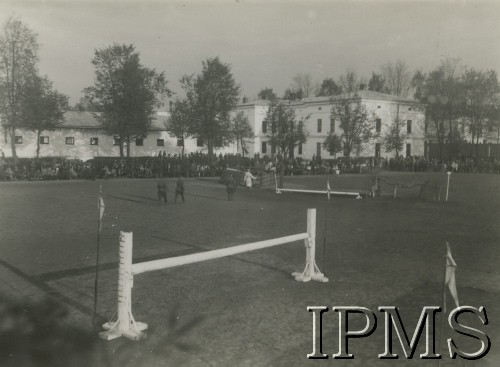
266,43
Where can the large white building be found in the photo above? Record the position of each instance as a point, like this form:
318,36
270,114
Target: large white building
383,107
80,136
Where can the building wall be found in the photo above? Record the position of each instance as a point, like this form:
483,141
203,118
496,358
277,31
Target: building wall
317,110
82,149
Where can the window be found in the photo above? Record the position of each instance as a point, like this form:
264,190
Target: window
300,148
264,147
331,150
94,141
160,142
139,142
44,140
378,125
180,142
199,142
18,140
377,150
320,122
273,149
332,125
318,149
70,140
408,127
264,127
408,150
116,141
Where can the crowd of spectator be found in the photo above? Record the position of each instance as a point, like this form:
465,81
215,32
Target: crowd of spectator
203,165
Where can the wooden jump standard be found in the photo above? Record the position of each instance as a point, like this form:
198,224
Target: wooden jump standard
125,324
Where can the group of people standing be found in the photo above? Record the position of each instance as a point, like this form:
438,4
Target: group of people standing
231,185
163,189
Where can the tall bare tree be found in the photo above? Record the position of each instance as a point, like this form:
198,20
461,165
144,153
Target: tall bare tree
305,83
397,78
18,61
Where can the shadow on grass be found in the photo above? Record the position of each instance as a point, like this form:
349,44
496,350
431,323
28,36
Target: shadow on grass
38,334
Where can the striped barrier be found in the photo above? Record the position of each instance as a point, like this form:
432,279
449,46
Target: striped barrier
125,324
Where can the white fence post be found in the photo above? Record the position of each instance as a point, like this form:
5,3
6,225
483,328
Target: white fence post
311,271
125,325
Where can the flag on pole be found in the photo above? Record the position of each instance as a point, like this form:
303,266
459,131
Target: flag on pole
328,186
100,206
450,274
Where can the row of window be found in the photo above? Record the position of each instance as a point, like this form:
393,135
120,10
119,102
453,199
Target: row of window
70,140
319,149
139,142
378,126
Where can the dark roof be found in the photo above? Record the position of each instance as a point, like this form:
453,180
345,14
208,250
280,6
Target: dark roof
87,120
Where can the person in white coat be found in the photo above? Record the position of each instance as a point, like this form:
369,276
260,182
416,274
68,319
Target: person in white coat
248,179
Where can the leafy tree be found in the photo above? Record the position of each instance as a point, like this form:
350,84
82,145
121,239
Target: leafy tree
417,83
350,82
442,95
241,130
333,143
211,96
178,122
18,61
126,93
329,88
397,77
286,131
481,101
267,94
42,107
293,94
394,137
377,83
355,122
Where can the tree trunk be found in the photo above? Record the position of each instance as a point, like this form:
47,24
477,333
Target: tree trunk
13,147
120,142
38,144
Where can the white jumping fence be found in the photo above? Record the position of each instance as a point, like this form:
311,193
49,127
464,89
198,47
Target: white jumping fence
328,191
125,324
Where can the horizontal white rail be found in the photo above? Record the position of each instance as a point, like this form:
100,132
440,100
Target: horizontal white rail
321,192
214,254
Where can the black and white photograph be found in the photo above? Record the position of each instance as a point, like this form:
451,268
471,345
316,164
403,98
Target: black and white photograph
249,183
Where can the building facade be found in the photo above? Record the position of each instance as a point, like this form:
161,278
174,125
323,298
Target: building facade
80,136
383,108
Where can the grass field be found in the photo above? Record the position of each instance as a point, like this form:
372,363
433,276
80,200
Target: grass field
247,310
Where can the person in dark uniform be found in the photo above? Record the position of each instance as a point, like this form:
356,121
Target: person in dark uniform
162,192
179,189
230,187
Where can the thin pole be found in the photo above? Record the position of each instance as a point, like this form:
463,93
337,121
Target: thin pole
96,282
448,185
444,312
324,227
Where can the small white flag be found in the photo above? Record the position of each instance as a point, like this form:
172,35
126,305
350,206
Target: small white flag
451,265
100,206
